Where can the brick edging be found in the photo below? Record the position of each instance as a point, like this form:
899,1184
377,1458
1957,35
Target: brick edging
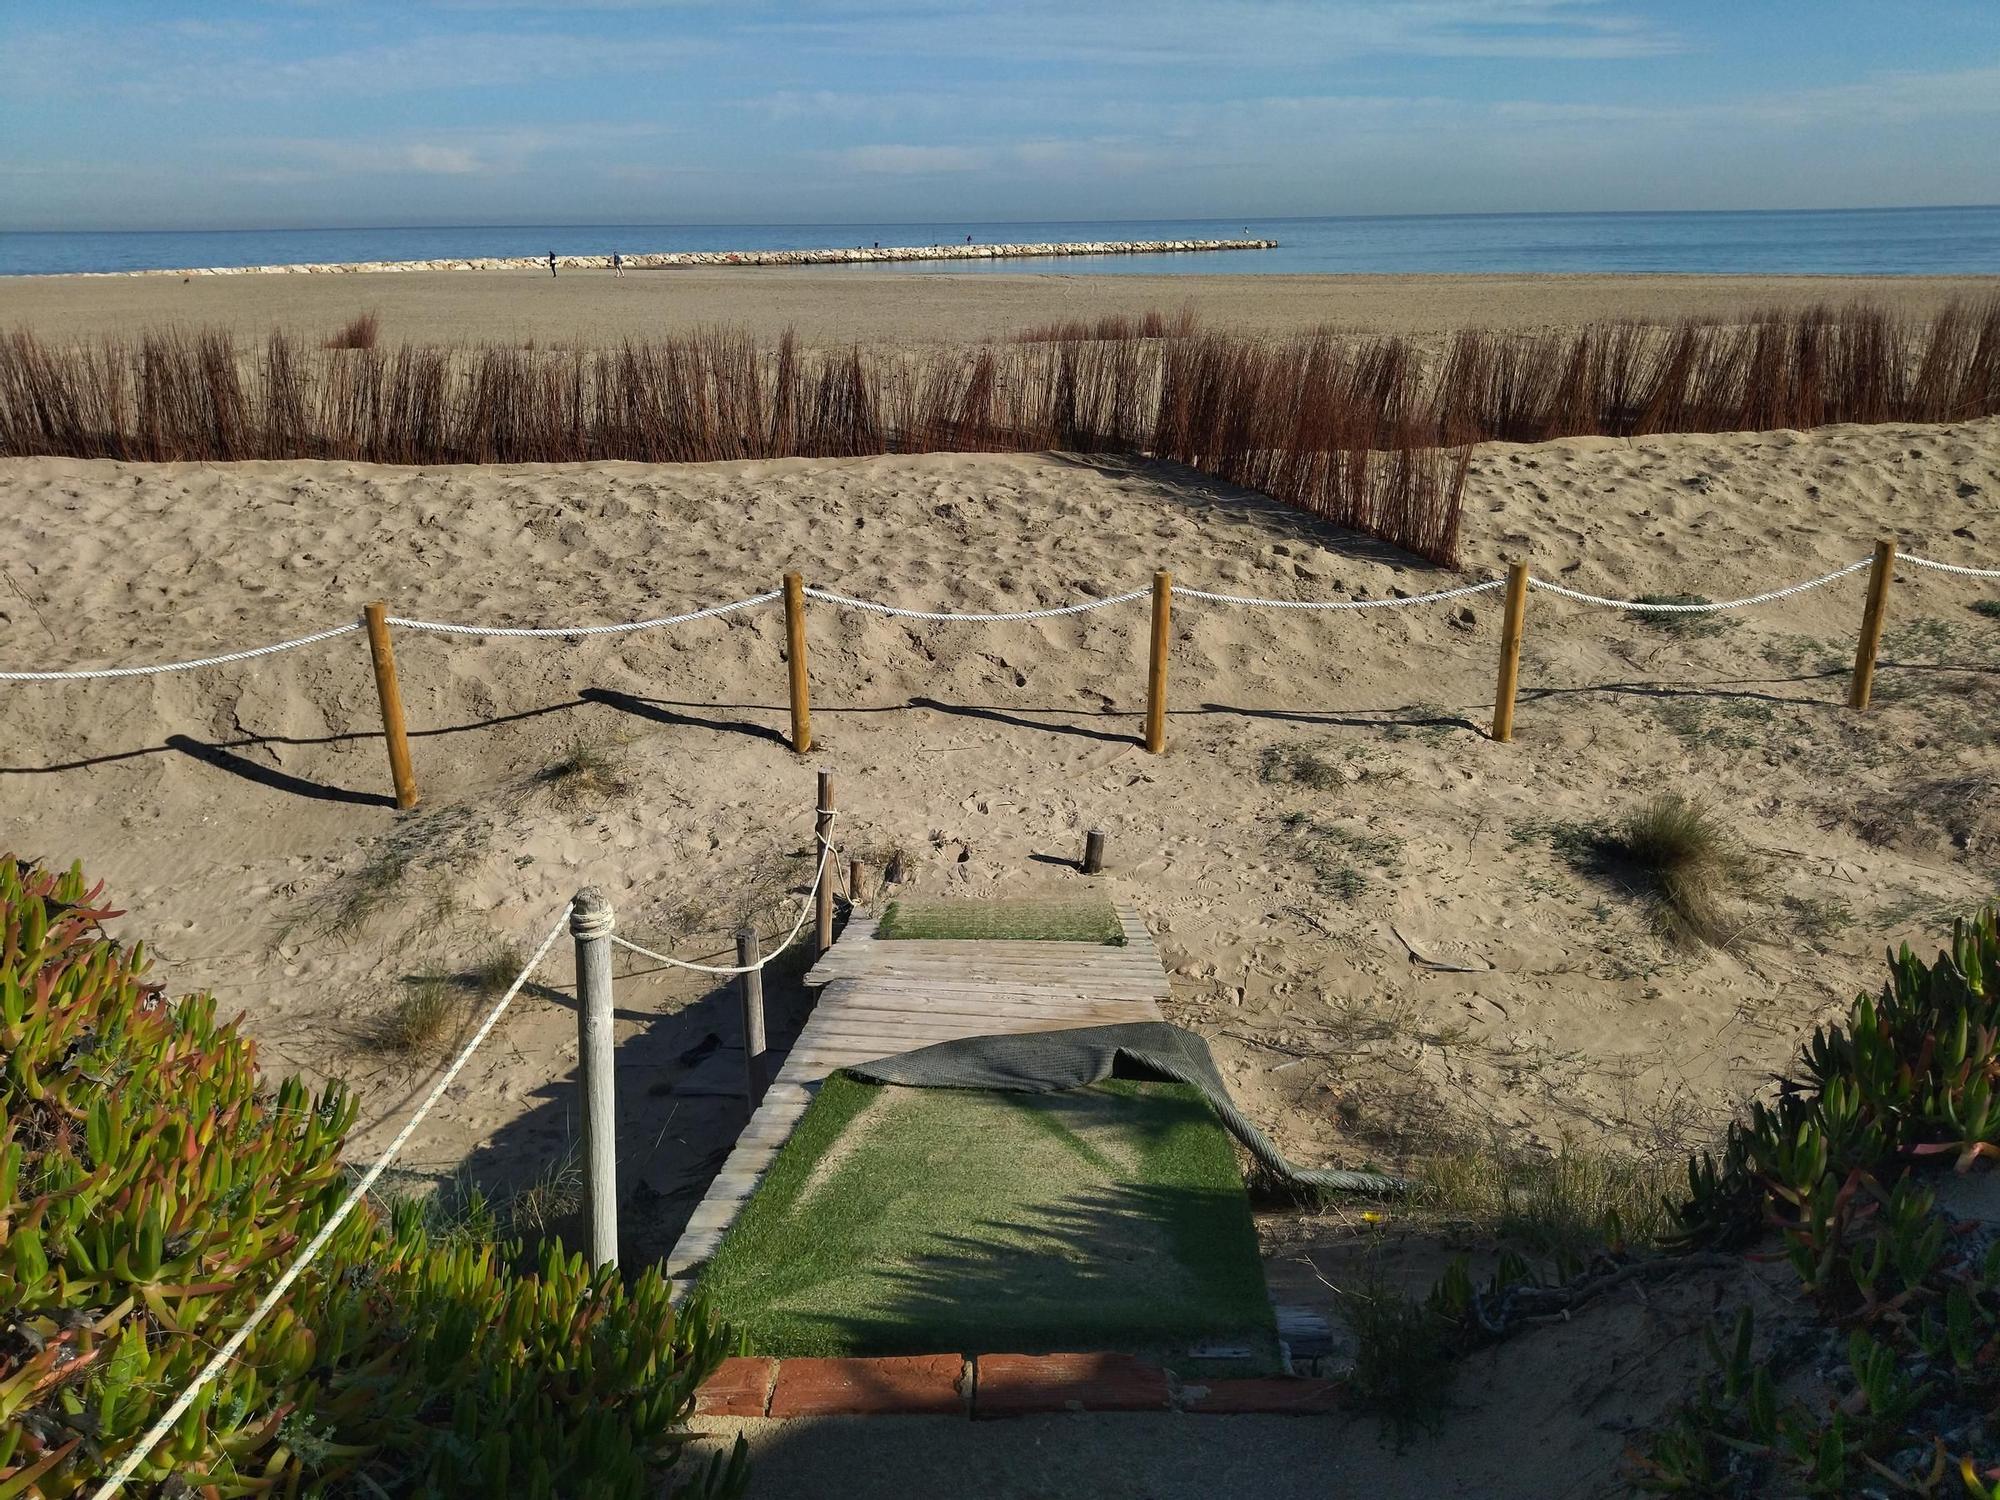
995,1385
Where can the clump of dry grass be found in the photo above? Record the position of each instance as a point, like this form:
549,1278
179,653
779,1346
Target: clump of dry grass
548,1206
1566,1204
1111,328
589,769
423,1018
1697,867
360,332
497,968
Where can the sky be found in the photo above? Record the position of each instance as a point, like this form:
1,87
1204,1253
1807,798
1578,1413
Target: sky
336,113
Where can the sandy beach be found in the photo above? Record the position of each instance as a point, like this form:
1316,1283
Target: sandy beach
874,307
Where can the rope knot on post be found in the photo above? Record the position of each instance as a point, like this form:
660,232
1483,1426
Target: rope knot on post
590,914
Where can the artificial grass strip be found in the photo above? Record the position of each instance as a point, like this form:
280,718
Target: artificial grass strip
1088,920
922,1221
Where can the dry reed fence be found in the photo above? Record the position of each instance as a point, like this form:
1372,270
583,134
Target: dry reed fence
1361,431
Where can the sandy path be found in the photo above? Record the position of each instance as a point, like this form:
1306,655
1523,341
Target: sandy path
872,306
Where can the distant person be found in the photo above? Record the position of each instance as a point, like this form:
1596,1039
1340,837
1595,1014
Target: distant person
552,265
617,266
968,239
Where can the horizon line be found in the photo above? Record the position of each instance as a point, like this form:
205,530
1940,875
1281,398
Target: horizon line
1603,213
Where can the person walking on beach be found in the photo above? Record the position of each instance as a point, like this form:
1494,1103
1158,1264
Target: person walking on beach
552,265
617,266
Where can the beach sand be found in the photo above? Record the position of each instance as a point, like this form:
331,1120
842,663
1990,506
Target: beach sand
231,809
874,307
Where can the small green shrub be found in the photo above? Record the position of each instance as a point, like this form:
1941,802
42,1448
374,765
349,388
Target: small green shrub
1987,607
151,1191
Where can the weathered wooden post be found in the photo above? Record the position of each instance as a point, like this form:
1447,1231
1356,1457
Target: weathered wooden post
1156,667
386,688
853,883
795,662
1873,614
590,924
1093,852
750,987
1513,621
822,833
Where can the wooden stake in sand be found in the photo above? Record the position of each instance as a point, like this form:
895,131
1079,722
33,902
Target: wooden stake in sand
1872,617
795,661
590,923
750,987
823,829
1093,852
386,688
1513,621
1156,669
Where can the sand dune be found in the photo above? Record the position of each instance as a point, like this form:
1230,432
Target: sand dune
230,808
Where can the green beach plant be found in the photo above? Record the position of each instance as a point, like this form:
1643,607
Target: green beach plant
152,1189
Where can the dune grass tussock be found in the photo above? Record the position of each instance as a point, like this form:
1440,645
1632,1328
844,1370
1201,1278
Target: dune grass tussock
360,332
1114,326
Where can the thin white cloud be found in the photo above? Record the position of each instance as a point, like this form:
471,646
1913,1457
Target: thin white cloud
913,160
1236,33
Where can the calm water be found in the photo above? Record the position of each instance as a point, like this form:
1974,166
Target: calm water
1870,242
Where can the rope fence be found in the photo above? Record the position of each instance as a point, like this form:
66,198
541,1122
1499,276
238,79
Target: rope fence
795,594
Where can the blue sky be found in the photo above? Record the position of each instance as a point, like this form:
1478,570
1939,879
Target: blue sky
323,113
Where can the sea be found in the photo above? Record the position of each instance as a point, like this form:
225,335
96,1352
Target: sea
1839,242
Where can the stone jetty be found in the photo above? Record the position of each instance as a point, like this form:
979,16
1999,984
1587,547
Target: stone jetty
671,260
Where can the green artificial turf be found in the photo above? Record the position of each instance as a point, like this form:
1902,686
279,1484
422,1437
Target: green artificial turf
924,1221
1088,920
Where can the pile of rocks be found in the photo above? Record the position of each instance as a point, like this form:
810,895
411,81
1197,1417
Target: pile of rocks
671,259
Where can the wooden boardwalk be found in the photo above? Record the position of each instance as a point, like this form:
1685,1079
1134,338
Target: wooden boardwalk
883,997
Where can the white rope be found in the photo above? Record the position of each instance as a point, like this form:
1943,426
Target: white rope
563,630
805,909
937,614
1699,609
182,666
227,1352
1459,593
1925,562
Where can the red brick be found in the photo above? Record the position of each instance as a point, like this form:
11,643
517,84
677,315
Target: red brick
912,1385
1276,1397
1012,1385
738,1388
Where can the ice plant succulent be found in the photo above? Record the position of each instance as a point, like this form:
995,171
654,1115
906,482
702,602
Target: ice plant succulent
151,1191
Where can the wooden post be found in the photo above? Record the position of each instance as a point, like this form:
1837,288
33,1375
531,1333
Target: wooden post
386,688
853,883
1513,620
822,831
590,925
1156,667
1093,852
1872,616
795,662
756,1076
